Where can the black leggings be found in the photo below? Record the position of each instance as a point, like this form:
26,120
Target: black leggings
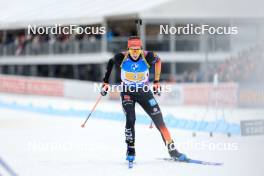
150,105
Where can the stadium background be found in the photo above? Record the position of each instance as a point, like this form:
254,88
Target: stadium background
217,80
189,58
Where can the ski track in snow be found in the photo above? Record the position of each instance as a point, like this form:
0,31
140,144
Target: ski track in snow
35,144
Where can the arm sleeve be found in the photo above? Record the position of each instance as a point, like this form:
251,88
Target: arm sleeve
153,59
109,68
157,70
116,60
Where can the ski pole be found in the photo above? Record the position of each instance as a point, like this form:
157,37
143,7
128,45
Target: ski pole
96,103
8,169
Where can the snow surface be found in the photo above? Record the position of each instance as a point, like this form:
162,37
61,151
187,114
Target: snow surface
36,144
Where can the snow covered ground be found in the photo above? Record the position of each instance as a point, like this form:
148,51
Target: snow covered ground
41,144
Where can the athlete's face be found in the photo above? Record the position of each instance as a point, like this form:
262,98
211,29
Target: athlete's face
134,53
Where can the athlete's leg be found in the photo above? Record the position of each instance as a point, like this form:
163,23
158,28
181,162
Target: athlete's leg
150,105
128,105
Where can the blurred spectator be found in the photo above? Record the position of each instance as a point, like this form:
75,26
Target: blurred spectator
35,48
246,67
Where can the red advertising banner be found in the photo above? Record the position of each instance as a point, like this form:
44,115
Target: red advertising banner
251,95
31,86
224,94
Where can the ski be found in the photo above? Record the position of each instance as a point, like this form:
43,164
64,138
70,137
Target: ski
194,161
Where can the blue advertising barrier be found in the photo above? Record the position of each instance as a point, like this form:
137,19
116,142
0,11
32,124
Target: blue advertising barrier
217,126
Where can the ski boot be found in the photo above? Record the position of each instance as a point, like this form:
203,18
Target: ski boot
130,155
174,154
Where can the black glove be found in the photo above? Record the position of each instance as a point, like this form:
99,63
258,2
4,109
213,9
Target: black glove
104,89
157,88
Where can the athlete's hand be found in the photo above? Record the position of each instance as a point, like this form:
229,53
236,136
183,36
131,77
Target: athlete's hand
104,89
156,88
